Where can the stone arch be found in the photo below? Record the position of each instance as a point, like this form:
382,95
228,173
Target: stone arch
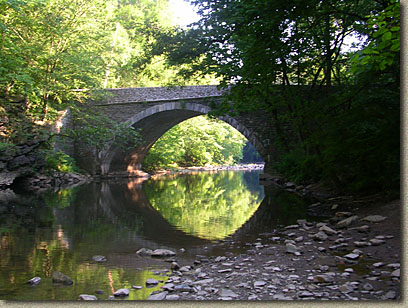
154,121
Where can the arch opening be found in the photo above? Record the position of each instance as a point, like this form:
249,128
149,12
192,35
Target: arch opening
153,123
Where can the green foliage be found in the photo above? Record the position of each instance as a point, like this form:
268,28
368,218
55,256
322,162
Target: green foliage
196,142
344,120
59,161
98,131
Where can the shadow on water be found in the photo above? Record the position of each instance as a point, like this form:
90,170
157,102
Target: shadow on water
63,230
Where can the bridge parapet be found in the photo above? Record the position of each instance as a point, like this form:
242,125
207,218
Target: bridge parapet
158,94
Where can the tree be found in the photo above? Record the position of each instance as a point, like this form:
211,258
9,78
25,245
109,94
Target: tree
260,49
196,142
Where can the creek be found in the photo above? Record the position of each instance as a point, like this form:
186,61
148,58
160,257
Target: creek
200,213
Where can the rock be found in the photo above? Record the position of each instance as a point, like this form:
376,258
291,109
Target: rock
396,273
352,256
174,266
227,293
368,287
121,292
163,253
346,222
184,269
328,230
361,229
144,252
58,277
137,287
220,258
376,242
390,295
323,278
299,239
86,297
292,227
349,270
99,258
361,244
99,292
168,287
343,214
306,294
34,281
394,265
183,288
158,296
151,281
259,283
346,288
290,185
379,264
319,236
172,297
204,281
374,218
290,248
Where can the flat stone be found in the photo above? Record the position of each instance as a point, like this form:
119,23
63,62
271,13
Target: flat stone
390,294
346,288
34,281
259,283
183,288
306,294
327,230
151,281
158,296
86,297
319,236
163,253
396,273
343,214
227,293
290,248
376,242
379,264
292,227
352,256
172,297
374,218
362,244
346,222
137,287
394,265
220,259
99,258
204,281
361,229
121,292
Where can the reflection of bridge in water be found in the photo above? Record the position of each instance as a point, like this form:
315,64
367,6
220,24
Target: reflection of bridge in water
126,206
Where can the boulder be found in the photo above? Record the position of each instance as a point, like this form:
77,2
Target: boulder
163,253
58,277
121,292
144,252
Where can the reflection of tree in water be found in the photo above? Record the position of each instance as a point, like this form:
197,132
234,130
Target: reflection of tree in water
210,206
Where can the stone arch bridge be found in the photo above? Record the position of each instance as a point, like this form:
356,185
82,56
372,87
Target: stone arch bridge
154,111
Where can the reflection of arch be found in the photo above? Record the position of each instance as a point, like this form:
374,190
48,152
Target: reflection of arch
154,122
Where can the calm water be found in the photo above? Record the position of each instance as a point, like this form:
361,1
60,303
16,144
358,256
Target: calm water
64,230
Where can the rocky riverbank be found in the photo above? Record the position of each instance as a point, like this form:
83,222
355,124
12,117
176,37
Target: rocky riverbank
353,255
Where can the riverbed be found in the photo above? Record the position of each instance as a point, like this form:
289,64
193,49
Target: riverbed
222,224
